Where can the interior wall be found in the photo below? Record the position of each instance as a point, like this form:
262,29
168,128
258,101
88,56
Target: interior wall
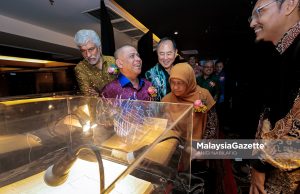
44,82
4,87
21,28
28,83
122,39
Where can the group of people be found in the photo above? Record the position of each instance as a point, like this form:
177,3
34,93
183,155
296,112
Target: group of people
277,21
210,74
119,77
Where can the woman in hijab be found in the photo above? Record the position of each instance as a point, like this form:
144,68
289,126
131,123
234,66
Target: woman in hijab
184,89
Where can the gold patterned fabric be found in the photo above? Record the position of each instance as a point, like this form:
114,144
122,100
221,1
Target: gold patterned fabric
282,182
90,77
285,177
288,38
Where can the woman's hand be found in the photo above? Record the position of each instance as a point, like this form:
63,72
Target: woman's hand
257,182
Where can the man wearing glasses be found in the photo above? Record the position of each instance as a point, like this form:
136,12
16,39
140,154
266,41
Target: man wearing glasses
92,73
279,22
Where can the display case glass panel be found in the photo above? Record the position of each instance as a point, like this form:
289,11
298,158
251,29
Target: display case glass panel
74,144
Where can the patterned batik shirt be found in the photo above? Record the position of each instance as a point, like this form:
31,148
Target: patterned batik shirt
90,77
288,38
159,78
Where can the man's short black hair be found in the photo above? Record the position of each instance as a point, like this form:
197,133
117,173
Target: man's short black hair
166,39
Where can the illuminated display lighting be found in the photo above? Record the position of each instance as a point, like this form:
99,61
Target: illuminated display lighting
9,58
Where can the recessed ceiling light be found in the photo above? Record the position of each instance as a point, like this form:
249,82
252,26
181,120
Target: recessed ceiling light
176,32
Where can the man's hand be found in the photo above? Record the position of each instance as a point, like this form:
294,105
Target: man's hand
257,182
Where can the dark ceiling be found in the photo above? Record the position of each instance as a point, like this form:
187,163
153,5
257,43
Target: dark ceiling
213,27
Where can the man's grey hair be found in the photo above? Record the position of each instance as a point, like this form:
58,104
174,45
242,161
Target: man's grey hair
84,36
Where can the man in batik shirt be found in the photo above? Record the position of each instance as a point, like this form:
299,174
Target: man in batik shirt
159,74
279,22
92,73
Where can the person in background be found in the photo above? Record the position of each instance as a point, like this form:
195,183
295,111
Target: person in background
220,74
209,81
278,21
128,85
193,62
93,72
221,105
159,74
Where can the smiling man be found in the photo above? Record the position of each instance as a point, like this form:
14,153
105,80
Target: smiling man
128,85
159,74
209,81
92,73
278,21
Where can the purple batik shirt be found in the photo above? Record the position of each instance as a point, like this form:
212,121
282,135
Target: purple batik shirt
123,88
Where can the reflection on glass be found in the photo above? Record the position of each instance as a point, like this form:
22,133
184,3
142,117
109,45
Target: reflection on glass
151,141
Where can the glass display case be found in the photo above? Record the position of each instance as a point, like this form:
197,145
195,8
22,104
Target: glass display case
74,144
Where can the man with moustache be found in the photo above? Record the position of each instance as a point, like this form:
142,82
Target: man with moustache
92,73
278,21
128,85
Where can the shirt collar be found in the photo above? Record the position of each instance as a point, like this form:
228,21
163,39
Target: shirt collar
288,38
124,81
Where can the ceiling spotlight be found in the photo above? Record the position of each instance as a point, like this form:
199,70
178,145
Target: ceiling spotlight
176,32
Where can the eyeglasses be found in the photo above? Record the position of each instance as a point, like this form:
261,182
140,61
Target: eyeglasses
257,12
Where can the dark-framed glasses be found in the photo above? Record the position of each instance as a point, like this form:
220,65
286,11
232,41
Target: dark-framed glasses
256,14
